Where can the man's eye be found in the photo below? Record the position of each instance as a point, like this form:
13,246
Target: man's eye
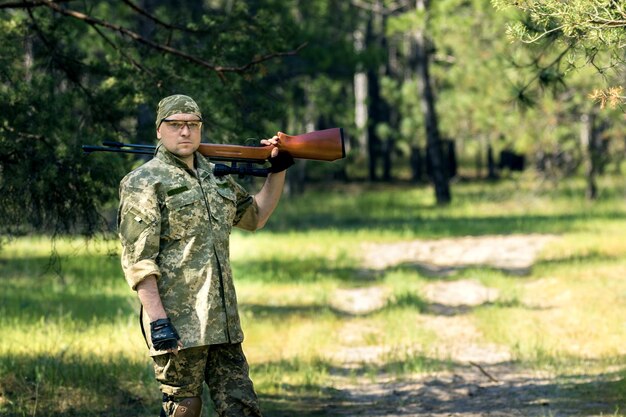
176,125
193,125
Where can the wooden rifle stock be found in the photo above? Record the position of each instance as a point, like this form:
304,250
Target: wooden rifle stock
319,145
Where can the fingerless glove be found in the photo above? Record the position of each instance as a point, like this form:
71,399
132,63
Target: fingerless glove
163,334
280,162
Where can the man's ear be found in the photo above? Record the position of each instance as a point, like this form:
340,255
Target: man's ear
159,133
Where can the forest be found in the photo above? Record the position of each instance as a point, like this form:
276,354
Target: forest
462,119
427,92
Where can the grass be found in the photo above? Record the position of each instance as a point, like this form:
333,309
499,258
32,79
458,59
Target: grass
70,344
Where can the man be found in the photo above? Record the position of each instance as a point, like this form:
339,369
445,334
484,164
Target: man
174,220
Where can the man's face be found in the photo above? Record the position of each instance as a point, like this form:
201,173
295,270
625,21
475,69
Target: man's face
180,138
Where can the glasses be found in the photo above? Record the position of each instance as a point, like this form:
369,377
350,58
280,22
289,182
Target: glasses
177,125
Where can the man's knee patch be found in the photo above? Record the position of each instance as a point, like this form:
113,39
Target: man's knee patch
189,407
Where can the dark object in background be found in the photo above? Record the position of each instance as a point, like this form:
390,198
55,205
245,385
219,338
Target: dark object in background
511,160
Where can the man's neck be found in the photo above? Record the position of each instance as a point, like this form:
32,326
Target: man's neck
190,161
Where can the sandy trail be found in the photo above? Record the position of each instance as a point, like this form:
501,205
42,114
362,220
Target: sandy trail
483,381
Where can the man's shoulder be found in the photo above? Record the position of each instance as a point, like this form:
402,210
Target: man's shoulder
149,173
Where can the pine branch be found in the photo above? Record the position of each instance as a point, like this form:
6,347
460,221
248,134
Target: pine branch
122,53
27,4
158,21
95,22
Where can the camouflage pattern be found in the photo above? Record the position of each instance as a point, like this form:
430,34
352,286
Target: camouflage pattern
223,367
177,226
176,104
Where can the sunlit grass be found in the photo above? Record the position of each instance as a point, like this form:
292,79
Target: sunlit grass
570,311
71,342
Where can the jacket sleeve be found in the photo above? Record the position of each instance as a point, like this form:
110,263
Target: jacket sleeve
139,227
247,215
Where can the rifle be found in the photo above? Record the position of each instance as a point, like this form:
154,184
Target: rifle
319,145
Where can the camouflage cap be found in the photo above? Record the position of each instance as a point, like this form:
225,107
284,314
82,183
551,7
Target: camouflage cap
175,104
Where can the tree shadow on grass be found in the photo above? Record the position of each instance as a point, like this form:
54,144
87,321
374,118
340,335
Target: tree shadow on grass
316,399
521,395
409,300
68,385
30,306
82,271
464,392
87,289
588,260
309,270
317,269
441,225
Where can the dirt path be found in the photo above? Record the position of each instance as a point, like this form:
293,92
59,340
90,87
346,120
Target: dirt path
483,381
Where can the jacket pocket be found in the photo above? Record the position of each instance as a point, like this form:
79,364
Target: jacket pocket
186,214
225,206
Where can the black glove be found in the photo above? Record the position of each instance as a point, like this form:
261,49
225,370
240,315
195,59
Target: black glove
280,162
163,334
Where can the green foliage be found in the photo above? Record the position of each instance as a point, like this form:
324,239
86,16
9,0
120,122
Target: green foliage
406,22
64,82
584,34
45,181
597,23
88,82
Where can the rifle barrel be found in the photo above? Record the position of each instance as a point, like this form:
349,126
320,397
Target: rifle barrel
141,151
115,144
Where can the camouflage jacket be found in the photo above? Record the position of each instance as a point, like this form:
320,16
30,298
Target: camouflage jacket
176,225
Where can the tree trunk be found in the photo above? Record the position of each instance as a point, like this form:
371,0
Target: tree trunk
377,108
361,115
145,112
393,71
416,164
29,59
479,159
427,98
491,164
374,104
589,151
388,148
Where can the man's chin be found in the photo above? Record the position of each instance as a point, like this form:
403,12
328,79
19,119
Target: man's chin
185,150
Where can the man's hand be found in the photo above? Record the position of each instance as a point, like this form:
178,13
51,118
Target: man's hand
279,161
164,336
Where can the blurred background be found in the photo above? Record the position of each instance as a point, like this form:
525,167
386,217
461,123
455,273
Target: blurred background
427,92
462,118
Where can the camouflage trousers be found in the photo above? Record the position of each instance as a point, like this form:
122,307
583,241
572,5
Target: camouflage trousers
225,370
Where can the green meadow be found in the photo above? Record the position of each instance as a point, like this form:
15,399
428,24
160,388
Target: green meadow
70,344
